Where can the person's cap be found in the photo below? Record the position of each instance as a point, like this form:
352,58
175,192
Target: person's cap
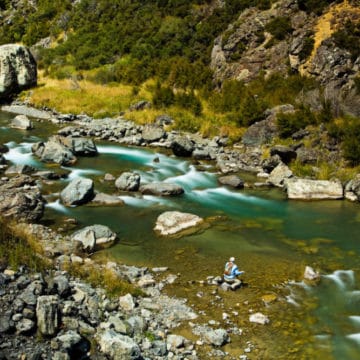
232,259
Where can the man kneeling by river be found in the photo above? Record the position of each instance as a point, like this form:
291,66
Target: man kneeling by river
231,272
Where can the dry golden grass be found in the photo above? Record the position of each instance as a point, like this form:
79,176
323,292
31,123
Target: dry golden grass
73,96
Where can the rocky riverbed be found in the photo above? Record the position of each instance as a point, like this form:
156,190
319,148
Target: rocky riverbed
74,320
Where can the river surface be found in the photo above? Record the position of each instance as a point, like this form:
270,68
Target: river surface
272,239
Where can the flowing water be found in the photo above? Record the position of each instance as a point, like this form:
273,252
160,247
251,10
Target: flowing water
273,239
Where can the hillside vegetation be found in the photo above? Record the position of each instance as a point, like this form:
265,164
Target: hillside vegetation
215,66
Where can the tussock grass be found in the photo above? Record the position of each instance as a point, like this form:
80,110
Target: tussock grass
106,278
17,249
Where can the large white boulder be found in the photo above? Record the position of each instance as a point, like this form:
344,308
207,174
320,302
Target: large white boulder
18,70
172,222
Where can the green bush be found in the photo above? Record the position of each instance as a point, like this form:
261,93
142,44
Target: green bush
315,6
279,27
307,47
289,123
189,101
348,38
163,97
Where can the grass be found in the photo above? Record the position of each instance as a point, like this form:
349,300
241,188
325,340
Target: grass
16,249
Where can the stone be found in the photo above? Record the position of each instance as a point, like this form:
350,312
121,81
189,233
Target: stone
47,310
118,346
175,342
127,302
19,169
259,318
279,174
172,222
217,337
78,192
119,325
153,133
18,70
285,153
161,189
94,237
21,122
102,199
25,326
232,181
128,181
182,146
306,189
310,274
82,146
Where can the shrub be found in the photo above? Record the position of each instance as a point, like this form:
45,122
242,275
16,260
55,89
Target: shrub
348,38
289,123
307,47
189,102
279,27
351,142
163,97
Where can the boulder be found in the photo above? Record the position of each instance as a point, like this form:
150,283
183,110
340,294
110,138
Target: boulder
21,200
279,174
285,153
172,222
161,189
78,192
127,302
153,133
47,310
118,346
102,199
353,186
81,146
21,122
232,180
306,189
17,70
128,181
182,146
19,169
94,237
54,151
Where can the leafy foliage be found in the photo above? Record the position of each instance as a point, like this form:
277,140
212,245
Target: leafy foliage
279,27
315,6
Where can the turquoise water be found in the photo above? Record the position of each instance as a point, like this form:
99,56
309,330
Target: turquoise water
272,238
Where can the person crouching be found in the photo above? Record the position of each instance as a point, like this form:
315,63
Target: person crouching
231,272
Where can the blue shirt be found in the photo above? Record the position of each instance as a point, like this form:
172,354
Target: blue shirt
233,273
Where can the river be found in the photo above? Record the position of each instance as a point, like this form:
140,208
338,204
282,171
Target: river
272,239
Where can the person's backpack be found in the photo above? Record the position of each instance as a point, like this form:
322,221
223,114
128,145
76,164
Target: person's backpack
228,268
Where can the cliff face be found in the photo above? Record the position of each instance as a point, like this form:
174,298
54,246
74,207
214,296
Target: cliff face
285,38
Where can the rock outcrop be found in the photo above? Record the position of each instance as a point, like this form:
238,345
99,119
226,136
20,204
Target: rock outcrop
18,70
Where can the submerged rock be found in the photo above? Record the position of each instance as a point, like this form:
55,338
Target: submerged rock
161,189
172,222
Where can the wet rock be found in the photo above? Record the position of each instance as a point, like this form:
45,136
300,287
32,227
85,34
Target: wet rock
128,181
47,310
306,189
21,122
259,318
94,237
18,70
54,151
81,146
19,169
102,199
217,337
161,189
232,180
172,222
78,192
310,274
27,111
182,146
